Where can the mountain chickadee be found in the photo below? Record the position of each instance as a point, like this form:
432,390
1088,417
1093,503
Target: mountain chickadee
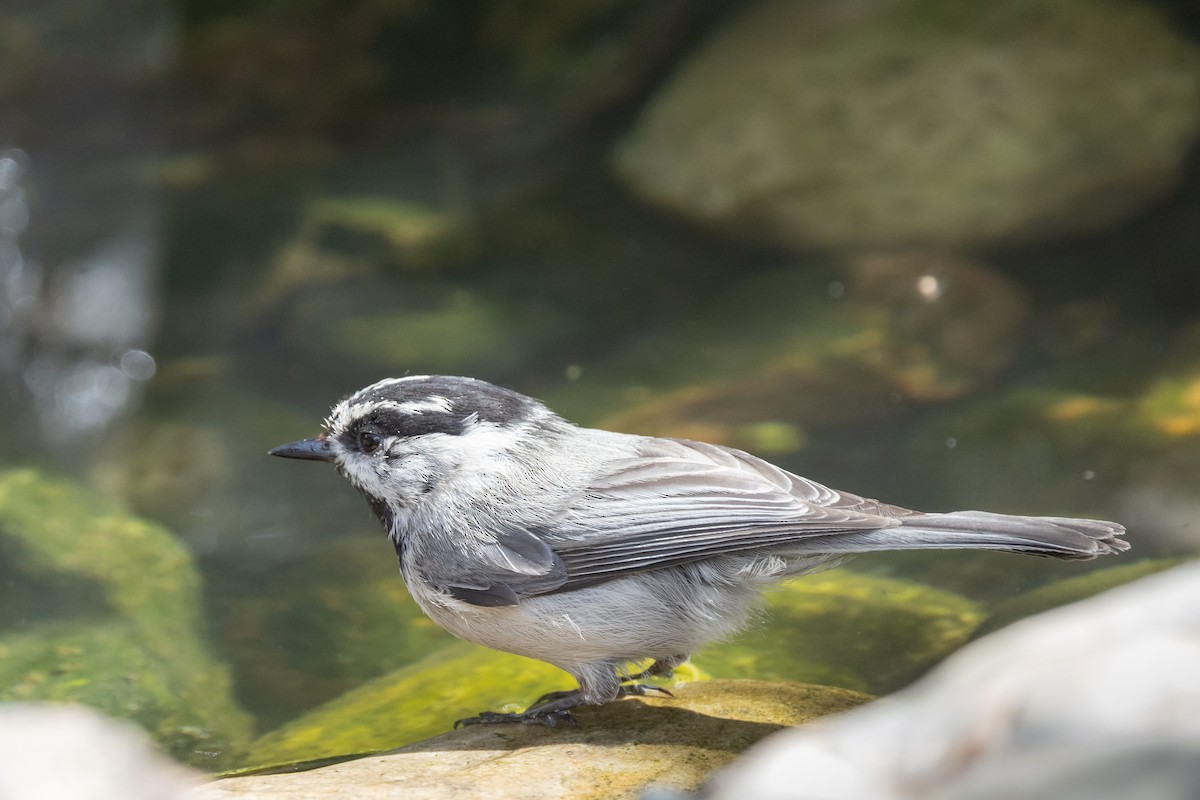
594,550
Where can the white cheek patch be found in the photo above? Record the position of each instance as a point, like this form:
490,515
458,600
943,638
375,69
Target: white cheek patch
360,471
396,471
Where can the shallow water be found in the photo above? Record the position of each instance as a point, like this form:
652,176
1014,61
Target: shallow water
348,196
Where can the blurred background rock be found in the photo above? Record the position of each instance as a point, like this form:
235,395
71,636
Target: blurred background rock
946,254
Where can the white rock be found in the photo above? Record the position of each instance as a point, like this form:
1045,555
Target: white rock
73,753
1100,700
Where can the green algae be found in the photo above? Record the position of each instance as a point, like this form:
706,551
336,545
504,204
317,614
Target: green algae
410,704
139,652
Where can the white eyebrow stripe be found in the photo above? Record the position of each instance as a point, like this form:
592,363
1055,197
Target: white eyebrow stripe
433,403
345,412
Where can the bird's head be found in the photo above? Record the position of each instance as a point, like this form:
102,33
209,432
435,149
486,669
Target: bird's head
400,439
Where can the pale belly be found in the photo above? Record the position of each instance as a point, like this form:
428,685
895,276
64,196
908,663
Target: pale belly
628,619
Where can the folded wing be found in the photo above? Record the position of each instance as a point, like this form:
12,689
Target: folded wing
681,501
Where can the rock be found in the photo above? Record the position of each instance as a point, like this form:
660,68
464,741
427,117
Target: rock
72,752
920,122
615,751
842,628
900,630
1161,434
1094,700
789,397
103,609
1163,770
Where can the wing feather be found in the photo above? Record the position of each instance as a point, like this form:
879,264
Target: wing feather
679,501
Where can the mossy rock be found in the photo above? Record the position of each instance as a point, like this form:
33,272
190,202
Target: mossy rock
410,704
616,751
837,628
117,623
846,629
833,148
1069,591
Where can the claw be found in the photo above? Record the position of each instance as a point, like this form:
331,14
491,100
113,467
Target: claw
640,690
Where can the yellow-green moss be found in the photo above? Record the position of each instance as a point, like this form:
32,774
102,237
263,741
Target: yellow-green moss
126,638
410,704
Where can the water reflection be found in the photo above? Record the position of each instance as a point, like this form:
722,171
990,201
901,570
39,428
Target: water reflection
75,338
88,362
19,279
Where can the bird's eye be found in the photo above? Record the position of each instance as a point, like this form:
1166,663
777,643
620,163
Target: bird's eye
369,441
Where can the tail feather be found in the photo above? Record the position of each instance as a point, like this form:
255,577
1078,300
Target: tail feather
1054,537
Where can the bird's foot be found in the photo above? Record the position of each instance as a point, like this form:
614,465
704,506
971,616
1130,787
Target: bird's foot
660,668
550,710
554,708
551,718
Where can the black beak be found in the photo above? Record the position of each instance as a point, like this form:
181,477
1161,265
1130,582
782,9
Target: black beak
317,449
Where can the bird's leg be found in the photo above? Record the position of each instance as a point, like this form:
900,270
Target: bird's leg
661,667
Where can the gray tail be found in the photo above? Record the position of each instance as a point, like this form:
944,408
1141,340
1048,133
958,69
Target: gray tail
1054,537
